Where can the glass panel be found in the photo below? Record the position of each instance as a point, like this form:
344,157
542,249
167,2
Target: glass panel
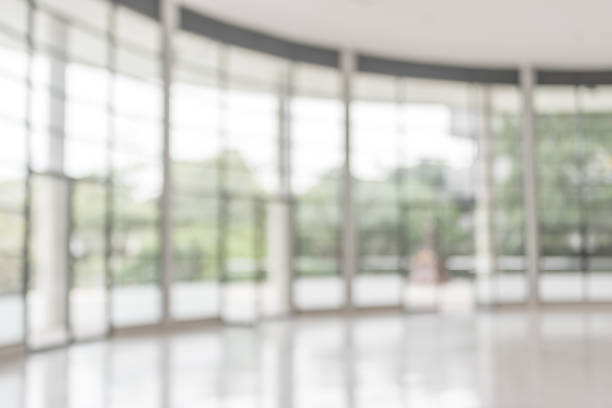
137,171
243,260
196,289
510,283
195,158
376,158
88,297
251,145
317,131
49,263
572,128
437,192
13,63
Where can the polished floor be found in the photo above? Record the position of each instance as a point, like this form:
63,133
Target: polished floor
560,358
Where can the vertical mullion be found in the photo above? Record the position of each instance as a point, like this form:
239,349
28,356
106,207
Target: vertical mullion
167,265
400,95
583,190
485,232
285,197
27,205
70,186
109,214
222,201
527,79
288,196
348,225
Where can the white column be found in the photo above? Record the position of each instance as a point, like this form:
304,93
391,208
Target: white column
486,260
51,214
168,17
282,217
349,266
532,243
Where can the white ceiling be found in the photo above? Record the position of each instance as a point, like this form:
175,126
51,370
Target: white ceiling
558,33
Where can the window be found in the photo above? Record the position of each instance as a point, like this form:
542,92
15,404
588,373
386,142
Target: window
195,155
317,160
510,283
253,85
573,149
377,134
136,169
69,159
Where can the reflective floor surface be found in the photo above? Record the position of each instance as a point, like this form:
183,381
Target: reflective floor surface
503,359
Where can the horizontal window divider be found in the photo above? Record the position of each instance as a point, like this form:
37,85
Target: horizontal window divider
9,210
193,68
136,49
194,194
119,74
12,32
10,254
310,93
58,54
68,96
303,274
70,21
363,272
10,292
236,82
56,133
122,221
203,279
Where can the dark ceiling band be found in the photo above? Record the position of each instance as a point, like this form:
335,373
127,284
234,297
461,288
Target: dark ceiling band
588,78
147,7
223,32
431,71
231,34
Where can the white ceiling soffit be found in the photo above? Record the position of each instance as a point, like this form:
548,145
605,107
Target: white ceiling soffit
547,33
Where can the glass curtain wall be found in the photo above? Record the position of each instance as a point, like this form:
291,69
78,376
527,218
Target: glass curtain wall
316,155
81,115
510,283
377,156
572,127
227,171
251,84
195,155
136,147
69,163
257,161
415,145
442,123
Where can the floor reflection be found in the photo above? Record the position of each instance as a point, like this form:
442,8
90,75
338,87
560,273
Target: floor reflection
508,359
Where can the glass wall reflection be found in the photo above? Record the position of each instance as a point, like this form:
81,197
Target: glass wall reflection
257,161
